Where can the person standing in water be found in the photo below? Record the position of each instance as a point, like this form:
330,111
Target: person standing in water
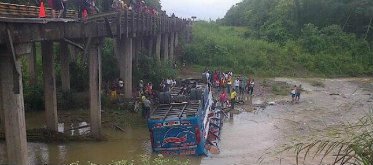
233,97
293,92
297,93
251,86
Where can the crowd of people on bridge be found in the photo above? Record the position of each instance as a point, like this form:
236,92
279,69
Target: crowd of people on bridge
137,6
87,7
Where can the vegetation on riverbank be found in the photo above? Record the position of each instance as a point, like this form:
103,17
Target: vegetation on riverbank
319,52
299,38
144,160
345,144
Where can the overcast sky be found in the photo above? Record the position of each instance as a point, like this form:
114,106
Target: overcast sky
202,9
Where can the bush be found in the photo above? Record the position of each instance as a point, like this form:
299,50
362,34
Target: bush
150,71
33,97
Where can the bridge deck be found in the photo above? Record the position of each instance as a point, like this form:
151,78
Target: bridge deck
113,24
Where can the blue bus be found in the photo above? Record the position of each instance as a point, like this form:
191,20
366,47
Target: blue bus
182,128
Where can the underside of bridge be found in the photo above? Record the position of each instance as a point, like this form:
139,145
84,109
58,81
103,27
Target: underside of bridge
159,34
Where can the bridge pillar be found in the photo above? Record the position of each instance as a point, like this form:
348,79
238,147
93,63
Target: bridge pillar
50,97
172,46
158,48
176,39
65,69
12,109
116,48
137,48
165,47
95,88
150,46
32,64
125,64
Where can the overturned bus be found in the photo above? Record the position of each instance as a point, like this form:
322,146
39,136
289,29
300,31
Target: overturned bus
185,124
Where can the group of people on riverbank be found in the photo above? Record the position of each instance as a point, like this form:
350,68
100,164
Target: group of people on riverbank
231,89
295,93
144,94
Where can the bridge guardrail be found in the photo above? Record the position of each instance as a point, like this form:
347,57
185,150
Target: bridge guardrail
23,11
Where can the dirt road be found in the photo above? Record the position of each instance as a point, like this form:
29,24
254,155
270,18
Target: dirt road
256,131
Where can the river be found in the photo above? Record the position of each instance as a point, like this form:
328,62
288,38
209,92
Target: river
245,139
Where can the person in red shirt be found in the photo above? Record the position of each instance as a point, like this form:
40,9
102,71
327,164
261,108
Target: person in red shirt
216,78
223,98
149,89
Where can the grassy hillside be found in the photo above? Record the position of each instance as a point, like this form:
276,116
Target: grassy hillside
318,52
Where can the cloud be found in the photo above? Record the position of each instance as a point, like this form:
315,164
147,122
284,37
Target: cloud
202,9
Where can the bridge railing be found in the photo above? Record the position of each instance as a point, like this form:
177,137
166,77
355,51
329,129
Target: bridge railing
23,11
130,21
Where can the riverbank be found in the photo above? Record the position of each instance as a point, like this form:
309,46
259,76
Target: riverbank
255,135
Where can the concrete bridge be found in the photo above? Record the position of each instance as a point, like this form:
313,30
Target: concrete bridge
19,33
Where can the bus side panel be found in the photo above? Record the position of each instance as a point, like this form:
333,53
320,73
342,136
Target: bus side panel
175,136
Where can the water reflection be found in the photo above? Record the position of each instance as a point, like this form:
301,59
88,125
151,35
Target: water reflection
120,146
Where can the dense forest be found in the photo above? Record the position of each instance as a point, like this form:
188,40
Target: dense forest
320,37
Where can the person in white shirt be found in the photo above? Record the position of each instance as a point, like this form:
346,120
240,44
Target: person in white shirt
173,83
237,84
207,76
168,84
251,87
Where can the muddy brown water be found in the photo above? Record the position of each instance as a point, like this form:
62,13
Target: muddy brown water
250,137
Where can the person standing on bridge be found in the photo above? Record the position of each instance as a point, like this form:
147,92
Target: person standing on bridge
57,6
64,13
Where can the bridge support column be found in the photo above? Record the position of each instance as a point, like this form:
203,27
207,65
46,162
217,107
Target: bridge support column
176,39
12,109
1,108
95,88
137,48
165,47
32,64
116,48
65,69
172,46
150,46
50,97
158,48
125,65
